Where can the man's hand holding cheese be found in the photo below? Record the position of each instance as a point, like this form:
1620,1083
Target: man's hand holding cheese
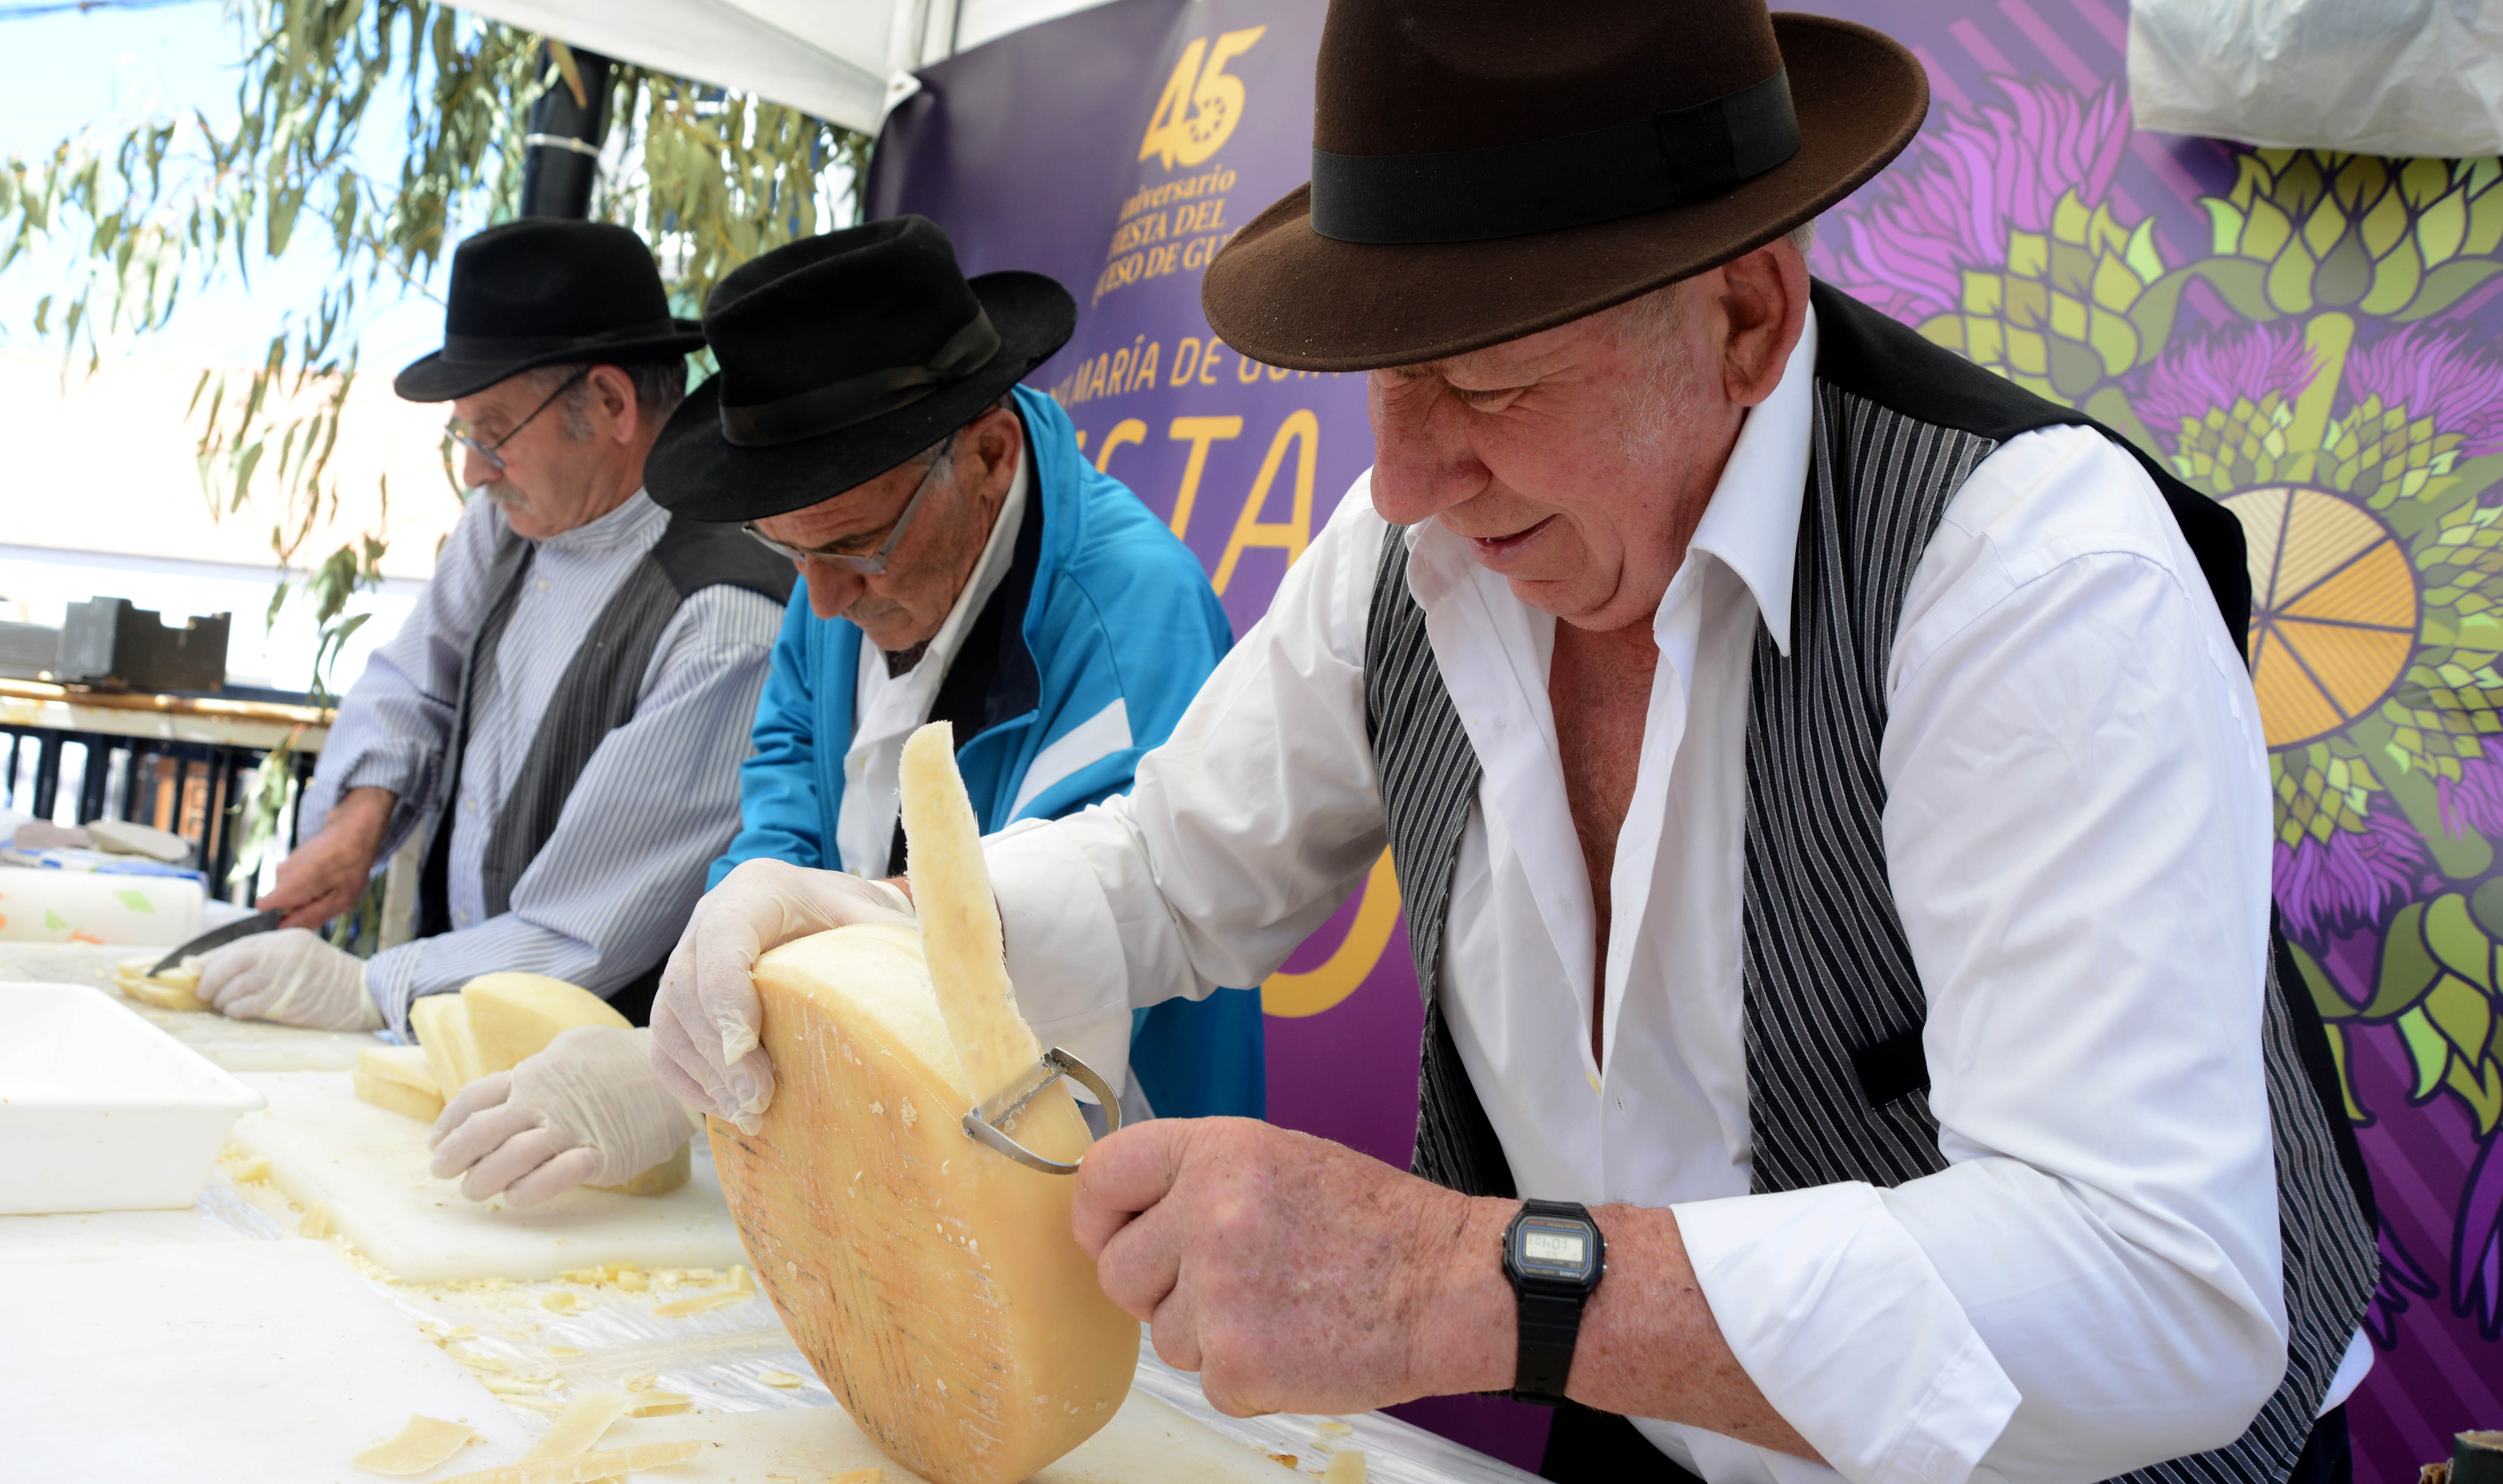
1832,819
706,1024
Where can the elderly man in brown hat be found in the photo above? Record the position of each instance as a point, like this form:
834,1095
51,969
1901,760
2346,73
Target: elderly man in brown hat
1830,807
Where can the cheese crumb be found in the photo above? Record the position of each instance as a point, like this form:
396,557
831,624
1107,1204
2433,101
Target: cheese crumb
781,1378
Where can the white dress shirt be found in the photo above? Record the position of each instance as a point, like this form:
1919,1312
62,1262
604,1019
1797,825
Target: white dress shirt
888,709
607,895
2077,831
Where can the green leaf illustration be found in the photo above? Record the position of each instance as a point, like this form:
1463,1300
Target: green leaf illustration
2428,1052
2408,966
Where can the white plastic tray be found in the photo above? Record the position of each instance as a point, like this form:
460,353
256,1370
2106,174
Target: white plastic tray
99,1110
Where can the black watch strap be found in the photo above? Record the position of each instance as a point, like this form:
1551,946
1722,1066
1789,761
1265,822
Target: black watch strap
1549,1325
1549,1302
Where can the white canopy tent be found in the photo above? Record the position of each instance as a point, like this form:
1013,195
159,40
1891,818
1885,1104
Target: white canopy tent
847,61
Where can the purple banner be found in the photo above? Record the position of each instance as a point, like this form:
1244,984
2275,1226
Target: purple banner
2304,336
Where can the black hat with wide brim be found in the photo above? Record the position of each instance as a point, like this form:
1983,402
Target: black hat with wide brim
547,292
841,357
1484,169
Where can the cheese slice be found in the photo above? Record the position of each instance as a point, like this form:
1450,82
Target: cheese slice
419,1446
513,1017
960,920
932,1282
584,1468
582,1424
172,990
397,1078
442,1026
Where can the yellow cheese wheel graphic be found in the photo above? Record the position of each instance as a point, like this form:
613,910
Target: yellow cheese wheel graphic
2333,609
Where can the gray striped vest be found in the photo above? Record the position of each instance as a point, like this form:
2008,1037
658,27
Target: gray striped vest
1834,1007
598,692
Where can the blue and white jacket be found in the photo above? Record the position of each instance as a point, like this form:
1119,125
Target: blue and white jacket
1120,629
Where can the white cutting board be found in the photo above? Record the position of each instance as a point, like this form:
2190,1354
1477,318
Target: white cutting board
255,1362
1147,1442
238,1046
369,1168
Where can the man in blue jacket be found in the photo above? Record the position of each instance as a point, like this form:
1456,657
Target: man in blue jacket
963,563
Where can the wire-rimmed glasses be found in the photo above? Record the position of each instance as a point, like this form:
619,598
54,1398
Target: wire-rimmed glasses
459,431
870,564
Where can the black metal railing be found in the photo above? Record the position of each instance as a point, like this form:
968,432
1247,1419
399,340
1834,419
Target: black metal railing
197,790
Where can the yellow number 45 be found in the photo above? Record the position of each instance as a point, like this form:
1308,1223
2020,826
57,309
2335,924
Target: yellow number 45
1201,104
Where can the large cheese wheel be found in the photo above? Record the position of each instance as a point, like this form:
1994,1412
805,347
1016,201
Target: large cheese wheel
934,1283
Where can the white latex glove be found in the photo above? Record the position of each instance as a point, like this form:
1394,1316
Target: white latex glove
586,1108
292,977
705,1019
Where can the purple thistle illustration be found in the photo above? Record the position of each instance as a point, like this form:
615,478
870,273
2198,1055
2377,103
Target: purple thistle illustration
2350,879
2473,802
1966,183
2435,371
2208,372
2477,1252
2400,1276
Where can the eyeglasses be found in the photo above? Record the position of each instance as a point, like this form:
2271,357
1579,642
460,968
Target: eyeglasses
461,432
872,564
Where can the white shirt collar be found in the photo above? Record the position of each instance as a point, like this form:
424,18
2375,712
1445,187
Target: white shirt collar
636,517
1752,524
887,708
999,554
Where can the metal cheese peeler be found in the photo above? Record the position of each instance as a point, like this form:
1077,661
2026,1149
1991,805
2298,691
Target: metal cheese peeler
982,1122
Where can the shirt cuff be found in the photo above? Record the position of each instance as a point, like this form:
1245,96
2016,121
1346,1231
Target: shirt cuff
1842,1322
390,977
1064,948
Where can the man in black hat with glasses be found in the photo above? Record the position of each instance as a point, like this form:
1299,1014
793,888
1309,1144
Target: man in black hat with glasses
567,704
963,563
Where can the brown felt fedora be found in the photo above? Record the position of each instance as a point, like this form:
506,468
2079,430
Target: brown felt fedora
1486,169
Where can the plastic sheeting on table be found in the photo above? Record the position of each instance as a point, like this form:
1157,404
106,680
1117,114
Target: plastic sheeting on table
719,1361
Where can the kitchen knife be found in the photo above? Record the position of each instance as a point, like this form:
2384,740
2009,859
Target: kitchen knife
219,937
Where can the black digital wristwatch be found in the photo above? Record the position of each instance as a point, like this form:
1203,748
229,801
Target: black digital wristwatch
1554,1257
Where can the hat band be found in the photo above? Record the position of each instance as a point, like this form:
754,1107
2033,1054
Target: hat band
1515,190
858,398
494,350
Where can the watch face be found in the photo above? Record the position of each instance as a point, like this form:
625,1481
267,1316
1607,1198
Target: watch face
1554,1246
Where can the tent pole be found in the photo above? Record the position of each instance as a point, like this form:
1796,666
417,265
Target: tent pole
564,140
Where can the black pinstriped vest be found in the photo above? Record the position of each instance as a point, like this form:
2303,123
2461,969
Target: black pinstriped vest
1838,1089
598,692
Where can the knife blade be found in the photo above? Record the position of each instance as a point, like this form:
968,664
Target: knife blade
219,937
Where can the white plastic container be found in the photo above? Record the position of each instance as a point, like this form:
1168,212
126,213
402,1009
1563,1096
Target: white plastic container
100,1111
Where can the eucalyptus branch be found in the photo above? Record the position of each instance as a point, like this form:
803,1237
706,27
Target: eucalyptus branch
159,209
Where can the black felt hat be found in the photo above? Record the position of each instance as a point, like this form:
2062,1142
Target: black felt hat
841,357
546,292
